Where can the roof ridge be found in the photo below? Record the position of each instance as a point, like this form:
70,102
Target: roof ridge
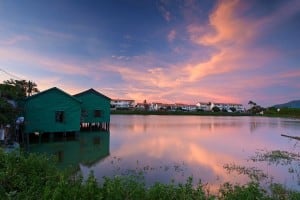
53,88
91,90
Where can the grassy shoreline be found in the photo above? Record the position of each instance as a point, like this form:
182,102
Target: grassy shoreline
294,115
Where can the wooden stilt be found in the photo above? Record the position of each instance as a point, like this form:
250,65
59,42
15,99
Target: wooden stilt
27,141
51,137
40,138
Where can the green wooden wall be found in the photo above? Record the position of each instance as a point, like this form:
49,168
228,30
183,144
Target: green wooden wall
92,100
40,112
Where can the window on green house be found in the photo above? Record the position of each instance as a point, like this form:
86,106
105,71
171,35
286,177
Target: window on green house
97,113
59,116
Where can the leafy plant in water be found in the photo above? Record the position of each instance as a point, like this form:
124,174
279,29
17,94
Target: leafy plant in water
253,173
276,157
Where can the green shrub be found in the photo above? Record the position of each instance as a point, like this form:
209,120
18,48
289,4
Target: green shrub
246,192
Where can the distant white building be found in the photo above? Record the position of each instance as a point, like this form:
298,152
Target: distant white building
222,106
155,106
122,103
205,106
186,107
142,106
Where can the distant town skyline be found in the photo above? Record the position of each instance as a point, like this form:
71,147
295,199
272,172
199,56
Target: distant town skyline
167,51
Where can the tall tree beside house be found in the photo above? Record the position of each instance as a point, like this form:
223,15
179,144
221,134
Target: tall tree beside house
24,88
12,94
19,87
32,88
7,112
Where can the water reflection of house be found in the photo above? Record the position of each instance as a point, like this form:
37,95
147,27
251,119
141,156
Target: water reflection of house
52,111
95,110
87,148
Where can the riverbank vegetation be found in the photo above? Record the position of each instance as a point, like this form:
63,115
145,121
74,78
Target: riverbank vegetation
269,112
283,112
32,176
200,113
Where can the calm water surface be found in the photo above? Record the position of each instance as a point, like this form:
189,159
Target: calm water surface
167,148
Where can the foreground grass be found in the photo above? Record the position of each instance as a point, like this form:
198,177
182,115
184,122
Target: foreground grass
36,177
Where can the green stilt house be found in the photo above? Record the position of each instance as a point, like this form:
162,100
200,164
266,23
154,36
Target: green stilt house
95,110
51,112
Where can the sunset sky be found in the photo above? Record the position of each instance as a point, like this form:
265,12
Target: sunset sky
168,51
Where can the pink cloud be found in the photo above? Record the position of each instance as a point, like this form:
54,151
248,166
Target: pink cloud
191,80
228,34
291,74
225,28
171,35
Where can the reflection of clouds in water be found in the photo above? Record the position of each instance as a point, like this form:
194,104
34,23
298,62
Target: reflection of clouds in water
203,143
291,124
150,122
153,171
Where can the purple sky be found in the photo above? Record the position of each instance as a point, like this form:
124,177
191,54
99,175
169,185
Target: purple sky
170,50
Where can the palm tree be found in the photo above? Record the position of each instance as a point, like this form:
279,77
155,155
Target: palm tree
31,88
146,105
252,103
